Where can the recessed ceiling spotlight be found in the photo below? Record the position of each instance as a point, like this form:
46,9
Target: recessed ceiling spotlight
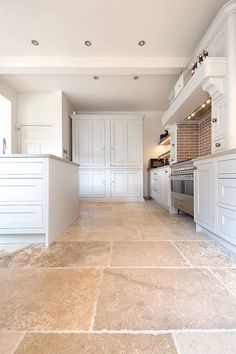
141,43
34,42
136,77
189,117
96,77
203,105
193,114
208,101
88,43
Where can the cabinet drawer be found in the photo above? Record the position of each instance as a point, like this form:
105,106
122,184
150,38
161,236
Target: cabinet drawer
21,190
220,144
21,217
227,224
227,191
21,168
227,166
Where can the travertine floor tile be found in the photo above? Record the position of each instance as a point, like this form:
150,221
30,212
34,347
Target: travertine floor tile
47,299
23,257
206,254
163,299
96,344
75,254
146,254
206,343
9,342
228,277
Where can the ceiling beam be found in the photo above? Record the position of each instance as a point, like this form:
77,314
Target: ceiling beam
92,65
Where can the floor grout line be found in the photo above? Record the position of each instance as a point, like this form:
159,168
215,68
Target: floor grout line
18,343
190,265
110,255
96,303
176,343
114,267
221,282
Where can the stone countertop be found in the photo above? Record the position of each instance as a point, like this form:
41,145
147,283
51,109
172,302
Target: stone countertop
217,154
41,156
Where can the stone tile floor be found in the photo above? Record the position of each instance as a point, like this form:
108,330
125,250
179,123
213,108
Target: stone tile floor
124,278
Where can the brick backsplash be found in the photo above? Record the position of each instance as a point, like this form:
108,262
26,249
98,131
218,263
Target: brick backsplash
194,140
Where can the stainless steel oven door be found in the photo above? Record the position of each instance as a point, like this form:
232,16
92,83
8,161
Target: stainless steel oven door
182,193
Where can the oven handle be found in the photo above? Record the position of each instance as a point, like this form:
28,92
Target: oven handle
182,178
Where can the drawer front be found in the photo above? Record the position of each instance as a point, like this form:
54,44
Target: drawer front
21,168
21,190
21,217
227,224
227,166
227,191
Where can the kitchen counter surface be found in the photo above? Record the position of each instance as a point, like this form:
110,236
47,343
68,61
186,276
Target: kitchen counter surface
217,154
41,156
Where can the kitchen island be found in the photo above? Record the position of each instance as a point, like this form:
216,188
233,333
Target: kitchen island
39,197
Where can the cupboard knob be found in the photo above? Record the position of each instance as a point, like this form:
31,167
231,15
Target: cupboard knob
217,145
214,120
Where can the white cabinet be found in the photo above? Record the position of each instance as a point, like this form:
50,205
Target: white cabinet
126,143
36,139
160,185
112,144
126,184
89,142
219,124
92,183
204,194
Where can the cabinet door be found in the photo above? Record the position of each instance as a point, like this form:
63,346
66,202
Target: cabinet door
126,142
97,155
133,143
82,143
89,142
118,142
219,124
98,184
204,195
84,183
133,184
119,184
165,186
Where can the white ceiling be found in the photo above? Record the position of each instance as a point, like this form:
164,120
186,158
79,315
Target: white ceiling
120,92
171,29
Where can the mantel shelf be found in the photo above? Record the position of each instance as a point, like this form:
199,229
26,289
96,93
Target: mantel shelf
208,80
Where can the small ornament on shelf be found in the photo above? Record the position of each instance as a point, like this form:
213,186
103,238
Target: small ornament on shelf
200,58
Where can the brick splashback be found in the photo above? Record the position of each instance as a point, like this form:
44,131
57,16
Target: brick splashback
194,140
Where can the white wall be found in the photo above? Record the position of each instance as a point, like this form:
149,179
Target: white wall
67,110
10,94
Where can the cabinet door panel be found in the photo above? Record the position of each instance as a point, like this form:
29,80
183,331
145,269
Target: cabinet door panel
98,184
97,143
83,143
133,143
219,118
118,143
119,184
134,184
84,184
36,140
204,196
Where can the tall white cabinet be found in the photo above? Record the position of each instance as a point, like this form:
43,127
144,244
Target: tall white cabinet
109,149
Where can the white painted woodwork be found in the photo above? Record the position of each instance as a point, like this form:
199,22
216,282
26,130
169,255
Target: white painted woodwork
215,196
36,139
204,195
160,187
112,144
39,200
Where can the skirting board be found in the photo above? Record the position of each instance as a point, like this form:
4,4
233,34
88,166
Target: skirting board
22,238
161,204
113,200
223,242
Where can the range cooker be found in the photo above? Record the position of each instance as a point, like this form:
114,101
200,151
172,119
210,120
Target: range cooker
182,186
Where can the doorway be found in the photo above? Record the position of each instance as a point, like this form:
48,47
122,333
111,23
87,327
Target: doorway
5,125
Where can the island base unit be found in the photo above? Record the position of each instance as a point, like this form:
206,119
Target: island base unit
39,198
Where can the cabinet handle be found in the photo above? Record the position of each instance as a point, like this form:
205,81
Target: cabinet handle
214,120
166,171
112,148
173,144
194,168
217,145
104,148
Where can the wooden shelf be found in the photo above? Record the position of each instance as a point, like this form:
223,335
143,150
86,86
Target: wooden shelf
164,155
165,141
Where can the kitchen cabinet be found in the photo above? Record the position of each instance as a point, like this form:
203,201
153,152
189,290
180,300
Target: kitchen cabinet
219,124
89,144
36,139
126,142
160,185
204,194
113,145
